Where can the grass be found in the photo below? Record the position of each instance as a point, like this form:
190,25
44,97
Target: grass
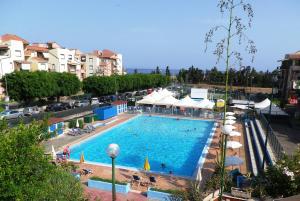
107,180
170,191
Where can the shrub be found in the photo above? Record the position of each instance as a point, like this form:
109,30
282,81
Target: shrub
106,180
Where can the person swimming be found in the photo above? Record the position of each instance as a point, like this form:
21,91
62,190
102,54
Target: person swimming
163,166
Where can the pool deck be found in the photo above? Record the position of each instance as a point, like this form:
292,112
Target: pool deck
164,181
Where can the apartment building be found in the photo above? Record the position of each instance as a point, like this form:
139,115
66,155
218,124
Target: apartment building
17,54
110,63
290,75
38,57
12,54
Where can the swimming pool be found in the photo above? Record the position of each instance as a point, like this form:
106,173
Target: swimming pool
176,143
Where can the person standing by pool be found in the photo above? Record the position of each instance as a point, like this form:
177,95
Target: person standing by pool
67,152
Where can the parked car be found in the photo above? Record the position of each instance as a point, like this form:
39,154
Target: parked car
11,114
56,107
94,101
28,111
82,103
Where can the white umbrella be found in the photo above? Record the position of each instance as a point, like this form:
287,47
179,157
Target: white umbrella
233,160
230,126
77,123
53,153
234,133
229,122
230,118
234,144
230,113
226,129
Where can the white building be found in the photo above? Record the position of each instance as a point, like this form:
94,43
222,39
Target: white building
12,54
38,57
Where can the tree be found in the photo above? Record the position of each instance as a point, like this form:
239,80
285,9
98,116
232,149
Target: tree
26,172
26,86
157,70
67,84
234,35
168,73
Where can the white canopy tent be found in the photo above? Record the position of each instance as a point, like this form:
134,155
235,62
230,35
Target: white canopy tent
147,101
168,100
263,104
206,104
229,113
165,92
186,102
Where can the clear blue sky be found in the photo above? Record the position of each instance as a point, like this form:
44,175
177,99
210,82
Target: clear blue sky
151,32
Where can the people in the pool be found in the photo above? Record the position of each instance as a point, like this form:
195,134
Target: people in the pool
163,166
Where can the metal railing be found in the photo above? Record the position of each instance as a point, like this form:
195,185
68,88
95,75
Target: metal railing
188,112
272,139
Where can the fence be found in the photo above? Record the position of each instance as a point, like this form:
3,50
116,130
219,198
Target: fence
271,137
172,111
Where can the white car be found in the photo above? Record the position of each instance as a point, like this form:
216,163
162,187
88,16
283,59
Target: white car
94,101
82,103
11,114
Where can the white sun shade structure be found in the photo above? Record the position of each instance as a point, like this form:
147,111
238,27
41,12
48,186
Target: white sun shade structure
230,118
165,92
206,104
147,101
234,145
150,99
263,104
168,100
234,133
229,122
186,102
229,113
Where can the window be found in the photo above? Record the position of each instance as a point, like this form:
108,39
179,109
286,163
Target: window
70,57
62,56
91,67
91,60
18,53
43,66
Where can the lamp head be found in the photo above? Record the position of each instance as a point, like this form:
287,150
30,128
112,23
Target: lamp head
113,150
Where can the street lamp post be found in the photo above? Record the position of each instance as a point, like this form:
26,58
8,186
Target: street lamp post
113,151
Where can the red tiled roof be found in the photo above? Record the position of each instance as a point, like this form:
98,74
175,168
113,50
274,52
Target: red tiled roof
37,48
107,53
23,62
27,52
119,102
8,37
54,120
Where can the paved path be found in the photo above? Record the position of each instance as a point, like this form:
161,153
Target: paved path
95,194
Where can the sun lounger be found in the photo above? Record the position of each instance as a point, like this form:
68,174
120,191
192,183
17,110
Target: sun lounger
86,171
152,181
136,179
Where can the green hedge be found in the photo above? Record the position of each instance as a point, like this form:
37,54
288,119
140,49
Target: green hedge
107,180
72,123
170,191
99,85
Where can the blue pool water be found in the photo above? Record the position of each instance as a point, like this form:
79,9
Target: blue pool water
176,143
